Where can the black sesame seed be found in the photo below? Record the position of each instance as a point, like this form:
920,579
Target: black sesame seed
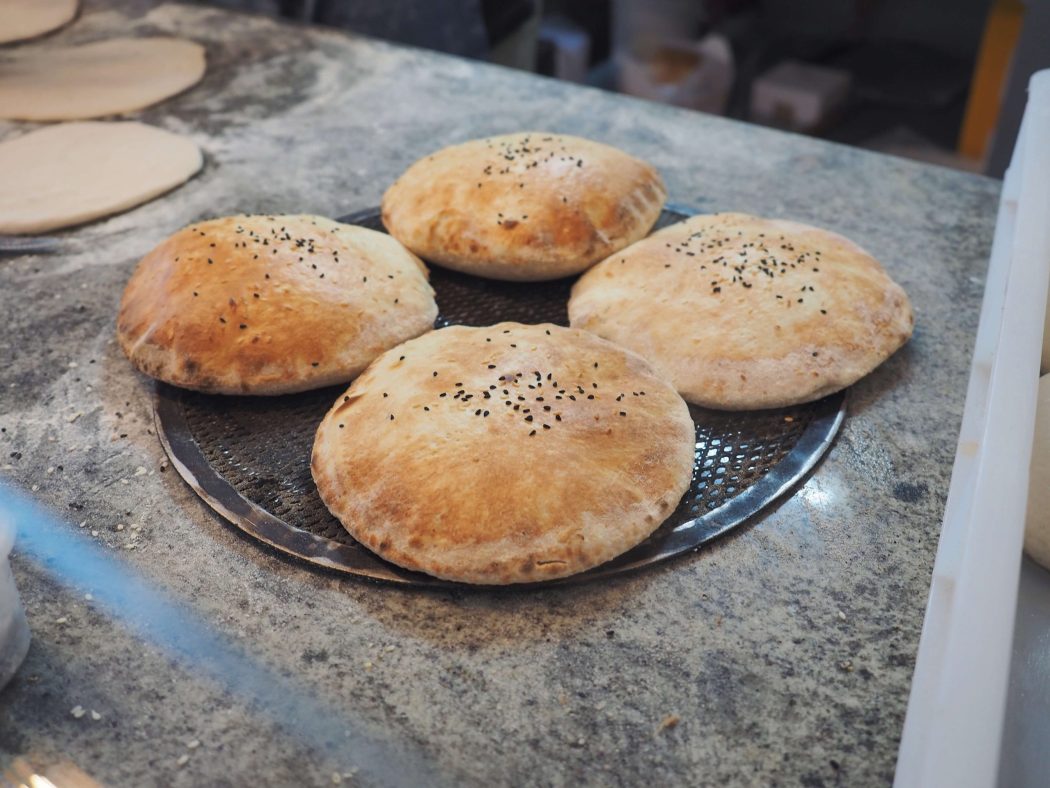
391,416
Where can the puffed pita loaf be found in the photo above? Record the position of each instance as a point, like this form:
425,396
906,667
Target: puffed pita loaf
271,304
741,312
523,207
504,454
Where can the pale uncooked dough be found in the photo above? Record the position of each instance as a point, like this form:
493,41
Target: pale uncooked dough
72,173
21,19
93,80
1037,523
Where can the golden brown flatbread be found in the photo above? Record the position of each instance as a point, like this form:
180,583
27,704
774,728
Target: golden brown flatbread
271,304
523,207
741,312
505,454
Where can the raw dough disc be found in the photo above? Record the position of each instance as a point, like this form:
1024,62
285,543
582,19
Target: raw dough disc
1037,522
75,172
92,80
21,19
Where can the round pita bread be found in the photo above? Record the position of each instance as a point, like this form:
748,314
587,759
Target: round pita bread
271,304
505,454
92,80
740,312
22,19
64,175
523,207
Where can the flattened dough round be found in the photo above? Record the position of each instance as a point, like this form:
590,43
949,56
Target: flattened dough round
64,175
92,80
271,304
22,19
505,454
523,207
1037,521
741,312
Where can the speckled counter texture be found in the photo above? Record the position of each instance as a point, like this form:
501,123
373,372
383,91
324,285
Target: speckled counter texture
785,650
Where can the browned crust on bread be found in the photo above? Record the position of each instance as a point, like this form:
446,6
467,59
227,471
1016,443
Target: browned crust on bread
741,312
417,472
271,304
523,207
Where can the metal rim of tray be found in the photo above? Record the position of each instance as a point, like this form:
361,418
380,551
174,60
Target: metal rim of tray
187,457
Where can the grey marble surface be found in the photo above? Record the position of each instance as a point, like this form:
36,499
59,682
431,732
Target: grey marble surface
785,650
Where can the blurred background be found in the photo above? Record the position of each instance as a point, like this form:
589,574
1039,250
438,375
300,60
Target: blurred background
941,81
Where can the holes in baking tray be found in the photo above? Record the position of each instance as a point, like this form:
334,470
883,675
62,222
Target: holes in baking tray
261,446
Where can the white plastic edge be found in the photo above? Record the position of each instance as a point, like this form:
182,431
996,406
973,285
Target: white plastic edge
954,720
7,536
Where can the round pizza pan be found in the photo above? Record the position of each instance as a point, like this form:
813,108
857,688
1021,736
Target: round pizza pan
249,457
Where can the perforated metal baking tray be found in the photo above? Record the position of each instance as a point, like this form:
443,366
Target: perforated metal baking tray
249,457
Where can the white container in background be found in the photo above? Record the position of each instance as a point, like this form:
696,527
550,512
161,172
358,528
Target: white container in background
14,630
798,96
696,75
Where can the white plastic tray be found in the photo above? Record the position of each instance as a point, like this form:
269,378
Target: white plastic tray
955,713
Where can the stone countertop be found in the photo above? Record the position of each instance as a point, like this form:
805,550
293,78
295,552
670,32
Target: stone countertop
785,650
